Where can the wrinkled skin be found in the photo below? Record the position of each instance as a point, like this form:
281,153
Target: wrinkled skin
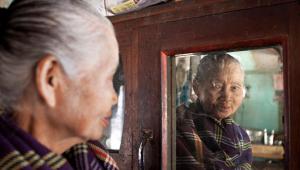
85,105
223,91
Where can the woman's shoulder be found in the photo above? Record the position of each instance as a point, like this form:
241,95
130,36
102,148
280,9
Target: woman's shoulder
242,131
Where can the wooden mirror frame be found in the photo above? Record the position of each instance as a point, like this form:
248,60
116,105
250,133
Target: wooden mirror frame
168,121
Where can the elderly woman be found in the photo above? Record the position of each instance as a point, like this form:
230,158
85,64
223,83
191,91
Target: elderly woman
57,62
207,137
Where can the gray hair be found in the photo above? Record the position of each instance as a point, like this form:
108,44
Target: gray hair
33,29
213,63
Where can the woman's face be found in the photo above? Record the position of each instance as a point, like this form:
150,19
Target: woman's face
223,92
85,104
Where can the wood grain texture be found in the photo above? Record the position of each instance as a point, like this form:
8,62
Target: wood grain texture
292,84
268,151
175,11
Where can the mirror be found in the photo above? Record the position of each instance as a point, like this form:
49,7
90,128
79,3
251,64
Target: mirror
112,136
227,108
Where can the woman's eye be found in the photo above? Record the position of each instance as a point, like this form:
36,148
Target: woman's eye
217,86
235,88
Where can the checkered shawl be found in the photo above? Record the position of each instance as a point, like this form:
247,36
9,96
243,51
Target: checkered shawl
203,142
20,151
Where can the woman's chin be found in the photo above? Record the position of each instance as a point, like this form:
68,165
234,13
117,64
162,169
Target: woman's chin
223,115
96,135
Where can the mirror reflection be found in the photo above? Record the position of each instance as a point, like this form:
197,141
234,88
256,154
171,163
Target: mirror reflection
112,136
229,109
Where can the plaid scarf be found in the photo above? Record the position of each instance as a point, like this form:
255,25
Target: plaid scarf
19,150
203,142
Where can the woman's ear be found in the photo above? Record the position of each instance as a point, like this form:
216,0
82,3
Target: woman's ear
47,73
244,92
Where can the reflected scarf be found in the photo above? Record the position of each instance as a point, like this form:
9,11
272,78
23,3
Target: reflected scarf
19,150
203,142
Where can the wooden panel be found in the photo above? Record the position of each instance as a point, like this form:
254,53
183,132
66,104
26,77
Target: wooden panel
149,105
175,11
294,88
226,30
125,157
134,85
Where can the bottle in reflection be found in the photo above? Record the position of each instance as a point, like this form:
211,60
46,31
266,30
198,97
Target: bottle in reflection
265,136
271,138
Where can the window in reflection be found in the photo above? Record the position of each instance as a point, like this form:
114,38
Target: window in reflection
112,136
229,109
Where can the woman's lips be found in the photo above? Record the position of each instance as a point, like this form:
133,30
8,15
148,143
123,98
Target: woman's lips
105,121
224,107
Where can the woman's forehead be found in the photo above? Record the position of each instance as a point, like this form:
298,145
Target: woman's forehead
233,74
228,69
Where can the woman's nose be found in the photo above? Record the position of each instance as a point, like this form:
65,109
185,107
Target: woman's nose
226,93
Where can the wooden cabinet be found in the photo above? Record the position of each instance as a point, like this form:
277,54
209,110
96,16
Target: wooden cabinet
203,25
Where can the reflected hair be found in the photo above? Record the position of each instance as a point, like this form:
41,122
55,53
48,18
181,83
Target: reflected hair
213,63
70,30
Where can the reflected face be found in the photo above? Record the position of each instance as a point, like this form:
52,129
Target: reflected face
86,103
222,94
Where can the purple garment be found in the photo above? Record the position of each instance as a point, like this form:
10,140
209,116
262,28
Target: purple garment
224,144
19,150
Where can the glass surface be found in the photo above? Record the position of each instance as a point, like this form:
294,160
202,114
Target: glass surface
259,114
113,134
